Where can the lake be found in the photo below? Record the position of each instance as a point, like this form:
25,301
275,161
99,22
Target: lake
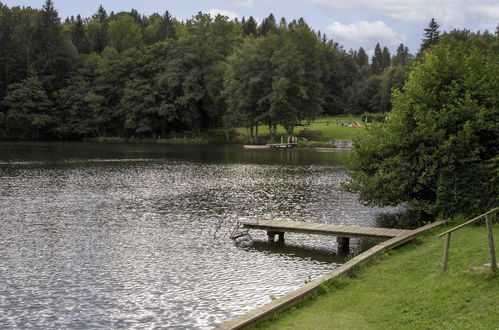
137,236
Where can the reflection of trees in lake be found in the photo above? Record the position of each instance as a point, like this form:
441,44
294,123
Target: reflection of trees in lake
407,219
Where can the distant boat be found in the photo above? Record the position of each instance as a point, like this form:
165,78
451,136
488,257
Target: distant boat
256,146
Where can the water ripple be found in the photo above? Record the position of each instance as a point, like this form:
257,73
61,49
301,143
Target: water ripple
145,244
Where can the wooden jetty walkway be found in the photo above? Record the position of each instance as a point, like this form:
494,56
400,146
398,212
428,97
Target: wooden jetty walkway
293,298
342,233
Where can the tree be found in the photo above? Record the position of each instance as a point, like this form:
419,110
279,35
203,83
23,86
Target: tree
124,33
250,27
79,37
402,57
431,36
139,102
248,82
55,56
268,25
436,151
28,108
339,72
100,15
167,27
73,115
361,58
386,59
97,30
377,60
276,79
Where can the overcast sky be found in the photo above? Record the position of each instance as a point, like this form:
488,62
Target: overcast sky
352,23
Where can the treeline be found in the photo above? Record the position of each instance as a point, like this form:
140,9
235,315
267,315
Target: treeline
129,75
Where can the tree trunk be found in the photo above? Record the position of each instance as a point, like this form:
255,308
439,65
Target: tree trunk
272,133
251,135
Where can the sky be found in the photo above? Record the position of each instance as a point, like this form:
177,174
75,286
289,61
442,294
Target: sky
351,23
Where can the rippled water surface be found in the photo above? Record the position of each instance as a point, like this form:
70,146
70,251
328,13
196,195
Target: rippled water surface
137,236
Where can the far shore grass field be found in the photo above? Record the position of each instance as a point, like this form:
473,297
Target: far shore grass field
405,289
330,128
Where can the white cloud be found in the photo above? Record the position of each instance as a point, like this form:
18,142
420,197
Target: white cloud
246,3
214,12
364,34
490,11
448,13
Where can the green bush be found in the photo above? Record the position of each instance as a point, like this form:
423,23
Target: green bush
436,150
369,117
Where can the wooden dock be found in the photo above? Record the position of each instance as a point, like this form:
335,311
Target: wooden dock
295,297
342,233
282,145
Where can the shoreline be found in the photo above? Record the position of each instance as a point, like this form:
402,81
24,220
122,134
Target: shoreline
318,146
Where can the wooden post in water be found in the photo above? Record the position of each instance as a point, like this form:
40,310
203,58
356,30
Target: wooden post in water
281,237
493,262
271,235
446,252
343,244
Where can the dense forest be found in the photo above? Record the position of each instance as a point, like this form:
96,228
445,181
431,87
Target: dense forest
129,75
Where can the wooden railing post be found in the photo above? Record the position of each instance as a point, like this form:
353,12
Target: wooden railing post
446,252
493,262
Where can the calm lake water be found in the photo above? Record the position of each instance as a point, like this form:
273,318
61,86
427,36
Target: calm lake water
137,236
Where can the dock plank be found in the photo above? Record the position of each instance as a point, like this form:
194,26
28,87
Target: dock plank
323,229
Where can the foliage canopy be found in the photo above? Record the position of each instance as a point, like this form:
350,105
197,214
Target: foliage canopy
438,150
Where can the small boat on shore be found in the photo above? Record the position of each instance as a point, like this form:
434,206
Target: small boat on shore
256,146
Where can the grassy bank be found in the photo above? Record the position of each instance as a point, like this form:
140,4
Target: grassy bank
330,128
405,289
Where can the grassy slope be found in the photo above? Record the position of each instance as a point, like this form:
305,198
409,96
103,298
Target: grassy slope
406,290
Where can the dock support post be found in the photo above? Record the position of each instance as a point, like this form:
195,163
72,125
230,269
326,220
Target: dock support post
281,237
271,235
343,244
493,262
446,252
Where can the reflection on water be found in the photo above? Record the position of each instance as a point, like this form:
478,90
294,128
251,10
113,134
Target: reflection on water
138,236
409,219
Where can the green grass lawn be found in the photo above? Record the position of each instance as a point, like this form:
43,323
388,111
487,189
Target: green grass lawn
405,289
329,126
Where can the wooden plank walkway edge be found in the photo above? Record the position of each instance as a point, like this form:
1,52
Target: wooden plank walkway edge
323,229
308,289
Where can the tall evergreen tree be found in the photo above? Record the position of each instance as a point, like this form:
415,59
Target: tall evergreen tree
283,24
386,59
361,58
377,60
250,26
54,56
268,25
167,26
402,57
100,15
431,35
79,37
97,29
